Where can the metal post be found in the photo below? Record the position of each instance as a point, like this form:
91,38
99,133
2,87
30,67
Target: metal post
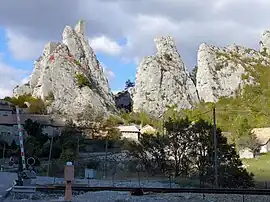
4,150
20,137
106,156
78,145
215,146
49,162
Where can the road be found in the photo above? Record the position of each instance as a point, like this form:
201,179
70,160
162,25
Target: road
6,180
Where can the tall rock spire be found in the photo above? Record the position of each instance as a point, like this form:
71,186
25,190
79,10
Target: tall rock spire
162,80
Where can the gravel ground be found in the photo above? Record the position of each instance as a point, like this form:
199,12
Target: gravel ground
109,196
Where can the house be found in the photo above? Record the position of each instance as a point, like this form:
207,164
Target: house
9,126
147,129
130,132
263,137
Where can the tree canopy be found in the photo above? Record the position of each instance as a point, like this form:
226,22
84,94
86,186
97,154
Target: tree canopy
187,150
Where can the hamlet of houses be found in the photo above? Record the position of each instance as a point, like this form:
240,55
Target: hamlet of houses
52,125
9,128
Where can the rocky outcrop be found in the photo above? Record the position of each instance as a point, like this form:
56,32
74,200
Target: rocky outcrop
22,90
222,71
70,74
265,42
163,80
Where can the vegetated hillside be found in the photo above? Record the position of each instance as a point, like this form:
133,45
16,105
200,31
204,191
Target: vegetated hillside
250,107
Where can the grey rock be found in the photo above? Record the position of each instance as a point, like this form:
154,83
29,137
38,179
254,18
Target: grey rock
55,74
223,71
265,42
24,89
163,80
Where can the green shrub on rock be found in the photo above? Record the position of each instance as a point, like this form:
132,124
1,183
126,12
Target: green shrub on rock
82,80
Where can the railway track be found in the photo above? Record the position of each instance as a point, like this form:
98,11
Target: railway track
58,190
157,190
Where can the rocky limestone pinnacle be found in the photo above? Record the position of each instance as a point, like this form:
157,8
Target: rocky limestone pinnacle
56,73
222,71
165,45
80,27
162,80
265,42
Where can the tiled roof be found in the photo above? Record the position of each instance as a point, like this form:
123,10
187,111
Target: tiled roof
262,134
42,119
129,128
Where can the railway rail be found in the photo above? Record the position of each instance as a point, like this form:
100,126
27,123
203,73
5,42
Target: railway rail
158,190
58,190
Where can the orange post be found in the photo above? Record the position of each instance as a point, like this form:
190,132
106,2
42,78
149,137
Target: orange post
69,177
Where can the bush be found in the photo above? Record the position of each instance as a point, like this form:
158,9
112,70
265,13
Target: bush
77,62
82,80
37,106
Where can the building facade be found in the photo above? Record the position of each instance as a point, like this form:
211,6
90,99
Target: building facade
9,126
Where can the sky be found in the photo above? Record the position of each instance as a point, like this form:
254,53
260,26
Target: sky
121,32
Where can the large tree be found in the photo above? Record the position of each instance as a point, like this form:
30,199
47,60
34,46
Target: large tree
187,148
34,142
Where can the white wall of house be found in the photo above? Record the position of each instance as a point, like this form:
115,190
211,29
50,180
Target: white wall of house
265,148
130,135
245,154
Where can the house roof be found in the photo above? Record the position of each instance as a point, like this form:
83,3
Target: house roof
148,129
132,128
42,119
262,134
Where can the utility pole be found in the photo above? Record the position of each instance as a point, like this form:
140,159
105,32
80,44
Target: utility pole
106,155
78,145
215,146
4,150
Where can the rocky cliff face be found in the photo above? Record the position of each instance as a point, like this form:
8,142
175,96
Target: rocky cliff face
222,71
163,80
70,74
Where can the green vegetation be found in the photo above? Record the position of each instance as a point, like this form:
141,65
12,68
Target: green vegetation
77,62
259,166
264,52
50,97
140,118
250,108
82,80
187,150
37,106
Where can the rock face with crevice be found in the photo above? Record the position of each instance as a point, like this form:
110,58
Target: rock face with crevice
223,71
56,75
163,80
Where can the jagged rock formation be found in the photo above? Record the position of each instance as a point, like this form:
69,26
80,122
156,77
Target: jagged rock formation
265,42
163,80
222,71
70,73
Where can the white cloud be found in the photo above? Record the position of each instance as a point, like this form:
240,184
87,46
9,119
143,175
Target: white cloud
190,22
22,47
9,78
105,45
